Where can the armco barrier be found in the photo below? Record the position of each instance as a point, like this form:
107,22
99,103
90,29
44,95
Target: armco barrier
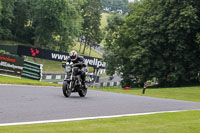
59,77
107,84
32,70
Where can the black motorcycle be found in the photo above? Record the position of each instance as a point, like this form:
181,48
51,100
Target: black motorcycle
73,81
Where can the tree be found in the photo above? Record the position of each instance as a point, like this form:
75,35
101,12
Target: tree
111,55
159,39
6,19
0,9
91,14
56,23
22,29
52,24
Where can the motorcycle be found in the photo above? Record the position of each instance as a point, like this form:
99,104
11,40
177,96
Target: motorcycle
73,80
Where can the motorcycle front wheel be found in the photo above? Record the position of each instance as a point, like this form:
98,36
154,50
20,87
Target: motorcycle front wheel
83,91
66,90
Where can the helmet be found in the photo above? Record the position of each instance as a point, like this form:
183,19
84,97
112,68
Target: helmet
73,55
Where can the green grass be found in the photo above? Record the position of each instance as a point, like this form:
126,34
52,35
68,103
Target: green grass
180,93
10,80
94,53
51,66
12,43
48,65
180,122
104,22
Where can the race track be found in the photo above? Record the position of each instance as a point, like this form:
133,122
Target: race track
30,103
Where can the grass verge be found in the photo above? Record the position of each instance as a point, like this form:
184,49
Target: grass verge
94,53
9,80
179,122
180,93
48,65
104,22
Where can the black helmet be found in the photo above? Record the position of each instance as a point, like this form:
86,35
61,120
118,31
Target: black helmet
73,55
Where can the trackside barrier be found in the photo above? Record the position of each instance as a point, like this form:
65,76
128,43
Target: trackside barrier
58,77
32,70
107,84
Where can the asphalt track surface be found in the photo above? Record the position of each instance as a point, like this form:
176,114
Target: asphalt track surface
31,103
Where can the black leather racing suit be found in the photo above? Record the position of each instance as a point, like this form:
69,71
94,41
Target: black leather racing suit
80,60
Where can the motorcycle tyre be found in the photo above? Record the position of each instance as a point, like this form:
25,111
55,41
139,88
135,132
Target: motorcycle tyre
83,91
66,90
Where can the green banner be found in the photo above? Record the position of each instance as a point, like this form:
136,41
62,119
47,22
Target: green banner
11,65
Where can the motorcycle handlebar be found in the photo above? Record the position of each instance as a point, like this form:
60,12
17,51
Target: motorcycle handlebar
79,64
74,65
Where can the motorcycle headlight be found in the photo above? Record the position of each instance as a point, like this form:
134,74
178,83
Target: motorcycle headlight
68,69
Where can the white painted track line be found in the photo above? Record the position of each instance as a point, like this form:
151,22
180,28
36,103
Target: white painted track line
86,118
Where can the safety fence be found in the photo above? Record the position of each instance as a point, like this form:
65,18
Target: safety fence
59,77
106,84
53,76
32,70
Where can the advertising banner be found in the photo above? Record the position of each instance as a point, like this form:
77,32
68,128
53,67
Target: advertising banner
11,65
57,56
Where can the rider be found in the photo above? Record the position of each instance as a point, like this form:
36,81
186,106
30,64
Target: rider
76,59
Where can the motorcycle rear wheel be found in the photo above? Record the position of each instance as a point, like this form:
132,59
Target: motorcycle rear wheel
65,88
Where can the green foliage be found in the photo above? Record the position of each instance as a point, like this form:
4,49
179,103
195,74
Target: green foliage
52,24
55,22
0,10
22,28
112,55
3,52
7,7
91,13
158,39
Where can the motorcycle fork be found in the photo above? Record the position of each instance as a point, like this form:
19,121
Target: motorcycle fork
70,85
